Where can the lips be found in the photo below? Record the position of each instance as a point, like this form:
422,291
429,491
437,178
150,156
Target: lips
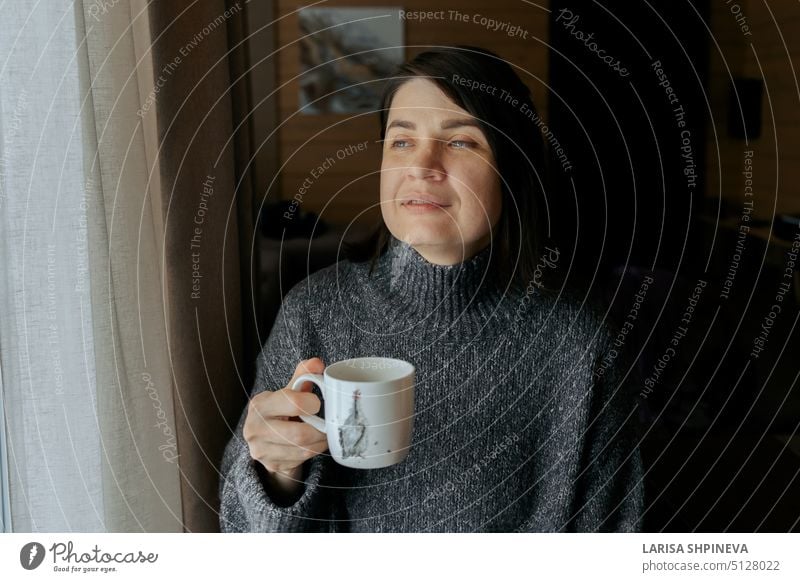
423,198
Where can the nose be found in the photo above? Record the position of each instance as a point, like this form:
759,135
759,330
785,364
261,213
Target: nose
427,161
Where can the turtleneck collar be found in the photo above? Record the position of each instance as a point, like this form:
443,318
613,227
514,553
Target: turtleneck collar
408,288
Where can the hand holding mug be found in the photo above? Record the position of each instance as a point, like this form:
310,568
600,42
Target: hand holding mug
276,441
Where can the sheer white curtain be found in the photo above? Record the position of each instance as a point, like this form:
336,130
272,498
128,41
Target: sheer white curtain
90,441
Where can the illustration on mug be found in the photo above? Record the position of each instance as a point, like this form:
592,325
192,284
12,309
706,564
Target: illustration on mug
353,433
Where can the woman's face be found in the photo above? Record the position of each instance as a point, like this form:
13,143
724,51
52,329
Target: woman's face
434,151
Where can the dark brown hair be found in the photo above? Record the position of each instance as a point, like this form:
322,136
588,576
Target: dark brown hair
515,140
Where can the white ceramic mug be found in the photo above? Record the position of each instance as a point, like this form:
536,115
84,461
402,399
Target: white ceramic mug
369,410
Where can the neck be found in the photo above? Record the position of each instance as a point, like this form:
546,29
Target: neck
409,289
444,255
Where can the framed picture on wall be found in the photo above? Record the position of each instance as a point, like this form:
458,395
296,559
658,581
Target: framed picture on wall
344,54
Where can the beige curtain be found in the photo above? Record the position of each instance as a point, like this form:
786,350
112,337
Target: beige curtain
120,341
87,390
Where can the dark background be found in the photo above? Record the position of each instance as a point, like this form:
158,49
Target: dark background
719,427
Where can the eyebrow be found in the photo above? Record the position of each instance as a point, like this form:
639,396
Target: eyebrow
446,124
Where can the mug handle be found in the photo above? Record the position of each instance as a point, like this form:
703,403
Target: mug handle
315,421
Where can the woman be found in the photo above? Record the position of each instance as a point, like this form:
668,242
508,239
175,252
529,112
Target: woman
520,422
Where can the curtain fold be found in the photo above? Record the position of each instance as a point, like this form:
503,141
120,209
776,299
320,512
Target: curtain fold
240,40
202,288
134,397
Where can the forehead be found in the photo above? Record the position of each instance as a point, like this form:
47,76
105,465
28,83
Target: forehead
420,98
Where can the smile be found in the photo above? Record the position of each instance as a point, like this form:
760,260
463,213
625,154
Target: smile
423,200
422,203
422,206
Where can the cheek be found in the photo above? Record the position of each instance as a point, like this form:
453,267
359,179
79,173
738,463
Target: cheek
389,181
481,188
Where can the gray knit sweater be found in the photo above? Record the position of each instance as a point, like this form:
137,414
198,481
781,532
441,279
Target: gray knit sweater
514,428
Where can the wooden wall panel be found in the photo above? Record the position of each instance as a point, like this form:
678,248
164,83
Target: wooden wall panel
355,178
770,51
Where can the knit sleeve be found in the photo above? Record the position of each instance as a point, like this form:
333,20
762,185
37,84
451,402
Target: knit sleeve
609,494
245,505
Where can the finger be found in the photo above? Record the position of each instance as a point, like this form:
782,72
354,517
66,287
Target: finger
310,366
298,434
283,403
282,432
280,454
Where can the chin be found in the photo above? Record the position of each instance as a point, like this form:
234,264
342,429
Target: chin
418,236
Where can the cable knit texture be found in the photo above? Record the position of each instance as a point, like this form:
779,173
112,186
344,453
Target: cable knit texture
524,413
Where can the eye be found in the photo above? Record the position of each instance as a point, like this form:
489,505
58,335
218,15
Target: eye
461,144
399,144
